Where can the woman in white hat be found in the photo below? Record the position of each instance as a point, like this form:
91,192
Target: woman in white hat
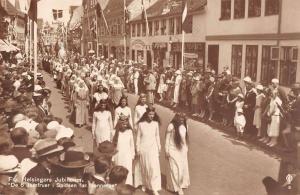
81,100
258,110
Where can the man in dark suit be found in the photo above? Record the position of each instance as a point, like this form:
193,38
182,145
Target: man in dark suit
19,136
249,106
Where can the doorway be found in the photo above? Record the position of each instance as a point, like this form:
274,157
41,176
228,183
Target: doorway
213,57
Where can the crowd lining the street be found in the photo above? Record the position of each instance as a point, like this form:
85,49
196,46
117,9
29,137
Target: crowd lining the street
37,150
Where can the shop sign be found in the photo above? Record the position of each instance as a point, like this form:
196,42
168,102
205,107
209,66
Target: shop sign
159,45
190,55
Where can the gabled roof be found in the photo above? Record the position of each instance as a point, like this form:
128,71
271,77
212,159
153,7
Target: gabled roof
115,7
11,10
169,8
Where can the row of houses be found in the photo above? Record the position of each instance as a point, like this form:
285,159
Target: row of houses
256,38
12,21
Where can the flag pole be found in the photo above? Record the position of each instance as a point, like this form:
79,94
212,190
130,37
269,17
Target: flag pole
125,52
30,43
182,49
35,49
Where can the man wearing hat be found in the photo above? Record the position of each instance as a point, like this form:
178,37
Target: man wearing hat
150,81
9,166
249,106
70,168
43,152
281,93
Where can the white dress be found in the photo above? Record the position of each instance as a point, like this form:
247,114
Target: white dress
274,112
138,113
178,160
148,146
102,127
176,88
123,111
126,153
258,112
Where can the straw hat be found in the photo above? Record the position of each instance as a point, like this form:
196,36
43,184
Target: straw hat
45,147
64,132
74,157
247,80
9,164
53,125
177,72
275,81
107,148
259,87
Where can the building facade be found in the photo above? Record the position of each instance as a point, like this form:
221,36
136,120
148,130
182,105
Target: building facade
160,41
112,30
89,27
255,38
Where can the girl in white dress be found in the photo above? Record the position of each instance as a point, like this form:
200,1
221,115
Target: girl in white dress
274,114
100,94
124,142
123,109
102,127
258,111
176,152
148,148
140,109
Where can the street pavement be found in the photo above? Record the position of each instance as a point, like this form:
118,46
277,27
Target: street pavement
219,164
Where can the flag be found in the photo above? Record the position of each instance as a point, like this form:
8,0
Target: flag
185,24
143,11
32,11
98,10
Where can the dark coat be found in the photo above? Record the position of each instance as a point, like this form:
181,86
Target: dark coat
21,152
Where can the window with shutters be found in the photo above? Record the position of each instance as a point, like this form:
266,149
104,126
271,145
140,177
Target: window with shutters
236,60
144,29
178,26
150,23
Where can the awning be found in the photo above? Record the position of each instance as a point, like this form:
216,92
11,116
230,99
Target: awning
4,46
7,47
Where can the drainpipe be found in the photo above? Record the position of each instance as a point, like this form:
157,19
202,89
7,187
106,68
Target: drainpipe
279,21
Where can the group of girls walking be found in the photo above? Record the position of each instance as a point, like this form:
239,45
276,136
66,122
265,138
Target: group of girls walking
137,140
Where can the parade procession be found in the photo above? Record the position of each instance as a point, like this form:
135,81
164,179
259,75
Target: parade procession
149,97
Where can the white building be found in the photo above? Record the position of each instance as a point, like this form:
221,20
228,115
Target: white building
162,45
256,38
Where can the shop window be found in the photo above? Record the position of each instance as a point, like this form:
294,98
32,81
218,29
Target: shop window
268,66
288,65
251,61
178,25
236,60
254,8
138,30
239,9
144,29
163,27
225,9
150,28
156,29
272,7
133,30
171,26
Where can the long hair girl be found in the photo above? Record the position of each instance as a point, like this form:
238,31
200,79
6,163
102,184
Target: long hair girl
122,126
178,120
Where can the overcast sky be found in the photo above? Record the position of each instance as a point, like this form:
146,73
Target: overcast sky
45,8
